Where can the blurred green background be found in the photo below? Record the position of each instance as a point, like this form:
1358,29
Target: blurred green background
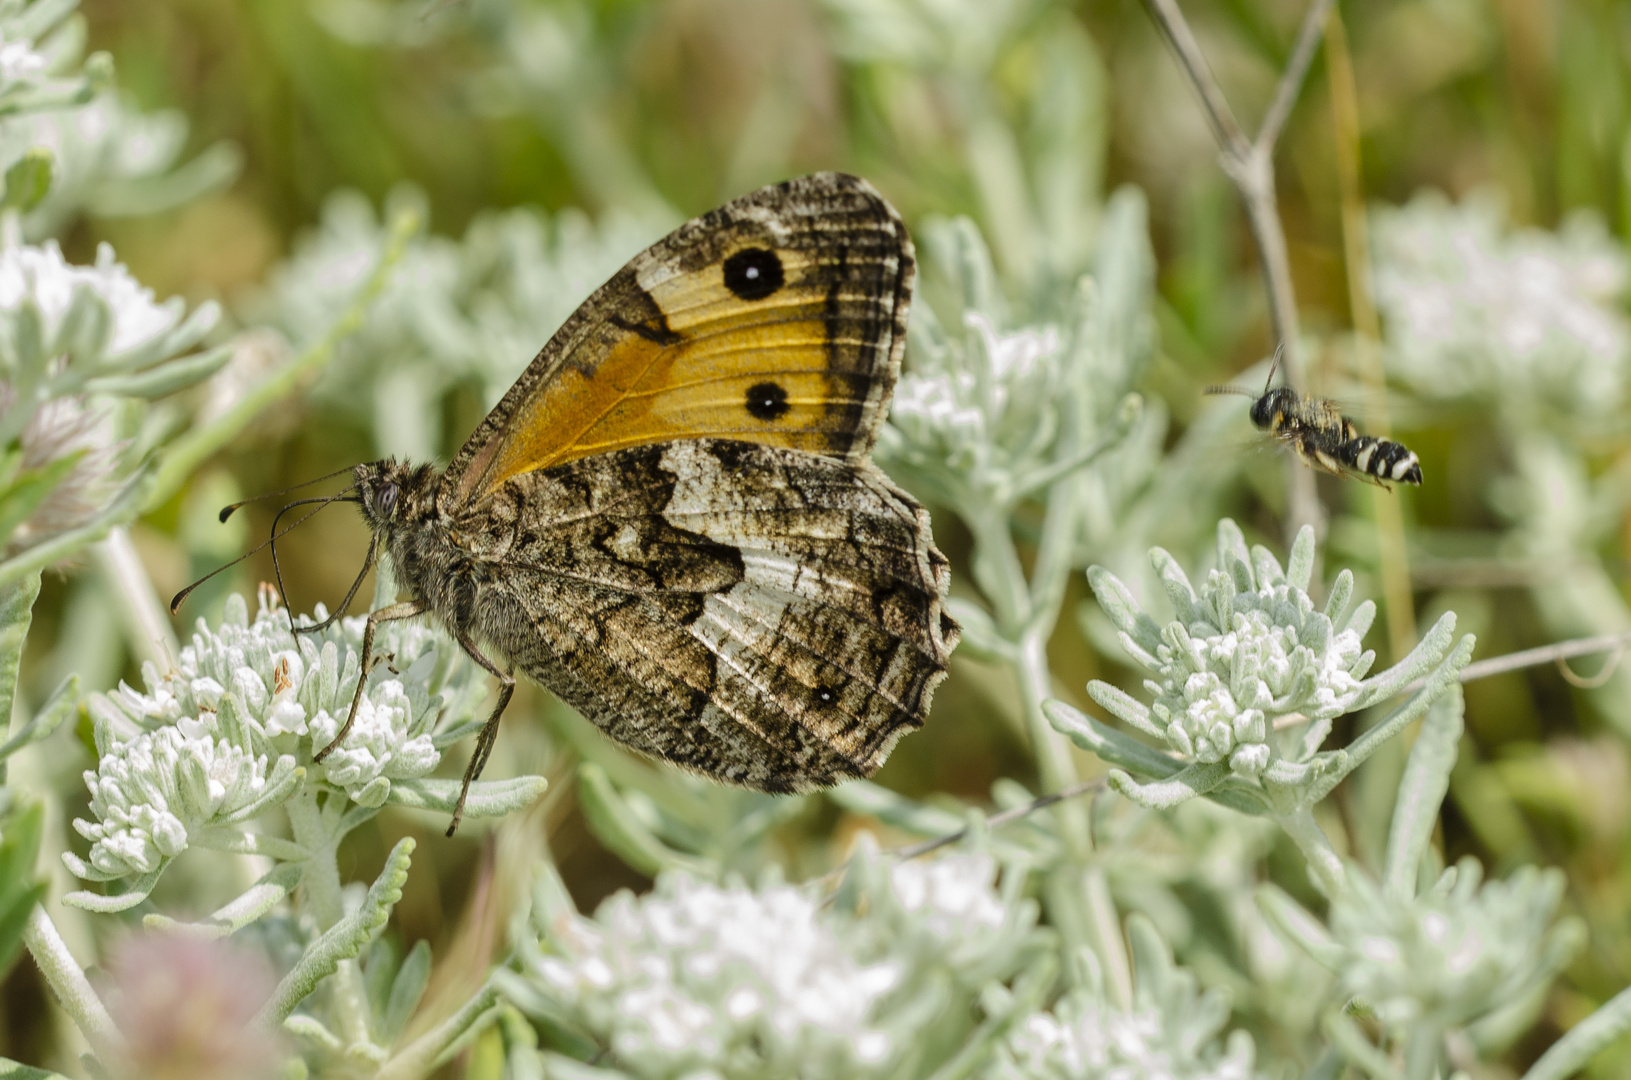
643,112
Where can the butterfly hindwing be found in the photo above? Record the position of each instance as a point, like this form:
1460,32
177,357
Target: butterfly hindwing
776,319
763,615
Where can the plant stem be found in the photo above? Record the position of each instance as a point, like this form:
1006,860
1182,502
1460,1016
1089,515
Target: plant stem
321,890
1392,557
1250,164
1026,612
145,620
67,980
1324,865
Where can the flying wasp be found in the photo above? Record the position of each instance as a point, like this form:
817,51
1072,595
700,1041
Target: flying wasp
1315,429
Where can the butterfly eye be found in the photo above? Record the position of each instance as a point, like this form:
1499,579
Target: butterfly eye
753,273
387,500
767,401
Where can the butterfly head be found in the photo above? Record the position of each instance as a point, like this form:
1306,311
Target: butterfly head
390,492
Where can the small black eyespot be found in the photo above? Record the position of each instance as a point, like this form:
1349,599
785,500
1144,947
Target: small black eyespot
754,273
387,500
824,694
767,401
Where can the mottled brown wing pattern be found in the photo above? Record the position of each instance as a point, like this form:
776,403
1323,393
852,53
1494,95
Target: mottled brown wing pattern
762,615
778,318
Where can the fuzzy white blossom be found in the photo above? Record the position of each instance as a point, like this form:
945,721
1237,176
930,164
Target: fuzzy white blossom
698,979
1170,1032
1475,310
72,338
381,745
1083,1038
20,62
1247,650
983,404
1461,949
245,703
40,276
702,977
149,794
992,406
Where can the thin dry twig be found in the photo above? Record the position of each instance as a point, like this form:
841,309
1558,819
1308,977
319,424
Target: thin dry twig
1546,654
1250,164
1012,814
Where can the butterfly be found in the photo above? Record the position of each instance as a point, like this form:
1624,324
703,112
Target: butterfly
1316,431
672,520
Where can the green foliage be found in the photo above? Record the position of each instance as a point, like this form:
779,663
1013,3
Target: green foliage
20,887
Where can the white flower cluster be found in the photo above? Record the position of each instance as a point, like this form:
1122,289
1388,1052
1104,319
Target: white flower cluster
725,981
979,406
29,31
20,64
247,702
472,312
981,403
701,977
1474,311
1171,1031
1246,651
70,335
151,793
989,412
1455,952
110,158
1082,1038
40,278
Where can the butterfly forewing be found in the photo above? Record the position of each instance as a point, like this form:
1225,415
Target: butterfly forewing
777,319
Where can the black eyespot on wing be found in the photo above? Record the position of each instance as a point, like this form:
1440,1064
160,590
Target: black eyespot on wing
754,273
767,401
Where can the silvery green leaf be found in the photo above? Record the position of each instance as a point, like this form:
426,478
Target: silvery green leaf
162,379
1422,789
28,180
255,902
624,833
21,888
345,939
61,705
488,798
406,990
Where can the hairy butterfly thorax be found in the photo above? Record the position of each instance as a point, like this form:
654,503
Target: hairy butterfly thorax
672,519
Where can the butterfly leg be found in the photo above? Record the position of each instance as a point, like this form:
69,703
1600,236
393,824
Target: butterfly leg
405,610
489,730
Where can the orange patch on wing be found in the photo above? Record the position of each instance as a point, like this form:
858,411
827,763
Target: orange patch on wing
644,391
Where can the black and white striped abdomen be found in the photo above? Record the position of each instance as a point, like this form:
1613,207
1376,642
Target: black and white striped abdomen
1384,459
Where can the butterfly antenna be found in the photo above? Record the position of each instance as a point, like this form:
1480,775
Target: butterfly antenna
181,597
227,511
277,570
367,565
1279,351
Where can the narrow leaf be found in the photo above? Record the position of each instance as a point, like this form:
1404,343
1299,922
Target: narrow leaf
1422,789
344,940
